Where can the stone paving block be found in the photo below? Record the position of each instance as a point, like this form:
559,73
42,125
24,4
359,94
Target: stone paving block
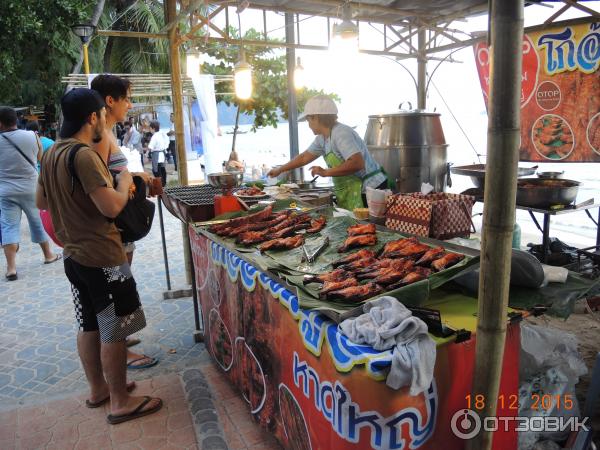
44,371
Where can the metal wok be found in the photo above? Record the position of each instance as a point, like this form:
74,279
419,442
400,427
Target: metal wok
543,193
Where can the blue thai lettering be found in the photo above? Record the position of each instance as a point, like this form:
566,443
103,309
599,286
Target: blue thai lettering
312,331
407,428
327,392
356,421
556,59
588,52
300,369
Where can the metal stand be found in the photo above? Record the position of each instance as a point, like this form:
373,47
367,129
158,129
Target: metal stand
164,244
199,331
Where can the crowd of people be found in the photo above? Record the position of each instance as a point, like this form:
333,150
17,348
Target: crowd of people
83,182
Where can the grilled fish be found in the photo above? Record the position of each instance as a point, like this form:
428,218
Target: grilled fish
358,241
355,293
252,237
448,260
358,264
330,286
430,256
260,216
358,229
364,253
282,244
394,246
317,224
392,275
257,226
418,274
334,275
399,266
411,250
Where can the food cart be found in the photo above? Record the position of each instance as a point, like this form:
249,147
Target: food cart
306,382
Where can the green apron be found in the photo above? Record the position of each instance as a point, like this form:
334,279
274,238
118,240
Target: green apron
347,188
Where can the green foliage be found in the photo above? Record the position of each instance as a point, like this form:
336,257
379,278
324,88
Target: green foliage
37,47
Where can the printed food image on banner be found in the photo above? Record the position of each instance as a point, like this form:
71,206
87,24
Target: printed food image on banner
560,71
552,137
293,420
593,133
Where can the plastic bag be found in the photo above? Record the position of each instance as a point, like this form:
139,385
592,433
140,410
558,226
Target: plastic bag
376,201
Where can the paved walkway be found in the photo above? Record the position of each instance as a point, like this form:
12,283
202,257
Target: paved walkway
42,385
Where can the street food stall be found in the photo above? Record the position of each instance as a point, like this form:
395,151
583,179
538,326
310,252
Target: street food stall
278,340
279,343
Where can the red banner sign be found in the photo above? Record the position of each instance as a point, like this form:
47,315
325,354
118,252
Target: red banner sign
560,93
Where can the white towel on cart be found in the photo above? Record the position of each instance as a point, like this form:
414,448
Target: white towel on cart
387,324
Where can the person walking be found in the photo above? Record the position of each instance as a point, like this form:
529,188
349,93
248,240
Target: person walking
159,143
76,186
172,148
20,151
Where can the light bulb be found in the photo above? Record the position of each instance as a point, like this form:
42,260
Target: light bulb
299,76
243,79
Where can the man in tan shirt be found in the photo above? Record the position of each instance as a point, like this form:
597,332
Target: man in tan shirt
82,204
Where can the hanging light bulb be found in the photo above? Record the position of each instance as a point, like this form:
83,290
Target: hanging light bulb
243,78
299,76
192,63
345,34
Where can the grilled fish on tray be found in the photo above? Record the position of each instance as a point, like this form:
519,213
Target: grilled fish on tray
317,224
358,264
358,229
394,246
430,256
449,259
355,293
330,286
282,243
260,216
358,241
411,250
418,274
334,275
364,253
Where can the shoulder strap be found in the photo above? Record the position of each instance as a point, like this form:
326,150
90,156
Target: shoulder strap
71,164
20,151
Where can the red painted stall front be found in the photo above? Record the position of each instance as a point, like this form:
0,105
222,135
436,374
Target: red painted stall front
309,385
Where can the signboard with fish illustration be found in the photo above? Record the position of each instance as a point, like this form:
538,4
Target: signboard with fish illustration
560,92
309,385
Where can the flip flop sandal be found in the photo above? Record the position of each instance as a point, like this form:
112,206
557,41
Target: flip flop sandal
137,412
130,387
130,342
153,362
58,257
11,277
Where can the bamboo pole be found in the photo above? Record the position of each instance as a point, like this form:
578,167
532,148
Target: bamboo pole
177,97
506,38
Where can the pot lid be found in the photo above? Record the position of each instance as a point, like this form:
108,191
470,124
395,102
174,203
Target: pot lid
404,113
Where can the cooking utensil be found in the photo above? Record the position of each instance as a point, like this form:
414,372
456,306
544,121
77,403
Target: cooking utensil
477,172
543,193
550,175
307,184
243,203
225,180
310,258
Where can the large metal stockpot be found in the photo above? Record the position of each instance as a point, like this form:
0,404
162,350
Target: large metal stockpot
411,147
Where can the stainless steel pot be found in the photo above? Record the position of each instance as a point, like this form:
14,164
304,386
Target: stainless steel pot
410,146
541,193
550,175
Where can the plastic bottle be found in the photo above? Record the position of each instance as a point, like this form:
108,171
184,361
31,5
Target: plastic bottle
516,237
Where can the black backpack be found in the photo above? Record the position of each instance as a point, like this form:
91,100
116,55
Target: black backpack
135,220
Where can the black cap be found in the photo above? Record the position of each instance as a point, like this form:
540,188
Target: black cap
77,105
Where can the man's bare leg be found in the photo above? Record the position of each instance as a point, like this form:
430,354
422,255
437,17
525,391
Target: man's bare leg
114,360
88,346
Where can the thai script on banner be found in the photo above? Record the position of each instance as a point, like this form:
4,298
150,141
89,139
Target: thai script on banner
315,329
335,403
564,52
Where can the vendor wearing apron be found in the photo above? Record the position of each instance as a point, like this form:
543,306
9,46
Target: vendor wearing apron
349,163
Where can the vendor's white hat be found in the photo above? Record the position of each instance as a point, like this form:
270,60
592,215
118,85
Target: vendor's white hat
319,104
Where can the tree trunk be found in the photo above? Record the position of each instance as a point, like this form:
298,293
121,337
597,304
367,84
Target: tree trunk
107,53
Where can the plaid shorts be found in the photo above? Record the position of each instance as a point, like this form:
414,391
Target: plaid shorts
106,300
